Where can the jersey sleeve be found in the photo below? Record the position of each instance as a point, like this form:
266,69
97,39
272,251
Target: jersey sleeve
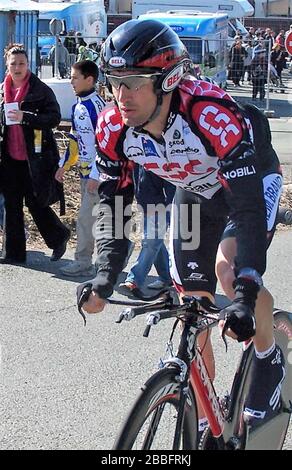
71,154
224,130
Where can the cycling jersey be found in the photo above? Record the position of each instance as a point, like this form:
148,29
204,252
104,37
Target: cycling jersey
81,147
206,149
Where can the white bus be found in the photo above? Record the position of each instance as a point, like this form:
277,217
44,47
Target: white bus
235,9
205,37
86,17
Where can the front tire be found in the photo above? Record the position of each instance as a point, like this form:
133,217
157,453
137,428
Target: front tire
151,424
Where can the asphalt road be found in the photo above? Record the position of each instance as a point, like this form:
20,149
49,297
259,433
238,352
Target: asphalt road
66,386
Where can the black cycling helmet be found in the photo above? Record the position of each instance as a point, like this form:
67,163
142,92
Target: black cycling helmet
145,47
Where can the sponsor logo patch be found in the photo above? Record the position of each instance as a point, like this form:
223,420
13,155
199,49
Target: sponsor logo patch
117,61
134,152
176,135
272,193
192,265
149,148
239,172
173,78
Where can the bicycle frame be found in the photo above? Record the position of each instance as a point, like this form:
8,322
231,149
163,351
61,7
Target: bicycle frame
205,393
199,379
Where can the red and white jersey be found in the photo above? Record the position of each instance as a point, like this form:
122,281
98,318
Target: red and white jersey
206,147
199,132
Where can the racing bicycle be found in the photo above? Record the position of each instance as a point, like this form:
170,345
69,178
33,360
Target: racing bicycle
164,415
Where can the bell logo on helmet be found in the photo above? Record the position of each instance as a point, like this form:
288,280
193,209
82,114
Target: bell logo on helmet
117,61
173,78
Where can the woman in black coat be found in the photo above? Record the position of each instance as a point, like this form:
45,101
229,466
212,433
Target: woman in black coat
29,158
278,59
237,55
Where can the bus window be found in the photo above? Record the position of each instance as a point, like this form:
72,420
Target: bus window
43,27
194,47
210,54
231,30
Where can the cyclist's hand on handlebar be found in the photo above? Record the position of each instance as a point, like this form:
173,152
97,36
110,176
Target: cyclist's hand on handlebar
92,302
238,318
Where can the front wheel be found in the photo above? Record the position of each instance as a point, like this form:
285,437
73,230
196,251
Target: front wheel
152,422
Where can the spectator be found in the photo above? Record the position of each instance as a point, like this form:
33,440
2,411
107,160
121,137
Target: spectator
85,53
150,191
250,35
29,159
63,59
269,39
258,37
79,40
247,61
259,68
70,42
278,59
237,55
81,148
80,45
280,39
259,46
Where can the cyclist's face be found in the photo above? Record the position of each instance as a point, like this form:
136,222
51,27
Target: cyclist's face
79,83
135,97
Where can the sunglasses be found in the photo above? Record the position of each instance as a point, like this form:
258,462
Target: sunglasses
132,82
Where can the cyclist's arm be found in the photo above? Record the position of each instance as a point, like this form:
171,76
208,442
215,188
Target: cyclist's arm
111,234
243,190
116,192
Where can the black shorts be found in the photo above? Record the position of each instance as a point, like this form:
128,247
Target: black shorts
193,257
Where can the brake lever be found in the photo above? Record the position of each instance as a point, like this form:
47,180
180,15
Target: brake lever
127,314
147,331
152,319
223,334
85,294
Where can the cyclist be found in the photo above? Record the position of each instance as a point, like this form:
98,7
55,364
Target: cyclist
194,135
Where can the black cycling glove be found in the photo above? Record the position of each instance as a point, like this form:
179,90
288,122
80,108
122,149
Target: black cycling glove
239,315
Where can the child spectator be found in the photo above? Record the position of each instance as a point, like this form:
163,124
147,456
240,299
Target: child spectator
81,148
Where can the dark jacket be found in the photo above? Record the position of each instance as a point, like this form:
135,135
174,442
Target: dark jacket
259,68
150,189
41,113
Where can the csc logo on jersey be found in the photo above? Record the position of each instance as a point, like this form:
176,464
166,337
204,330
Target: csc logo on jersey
219,125
105,126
